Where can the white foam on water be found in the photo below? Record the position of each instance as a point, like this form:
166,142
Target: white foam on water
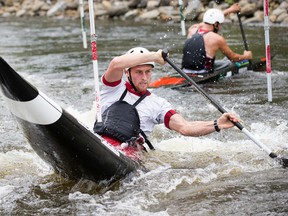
86,118
19,170
28,162
181,161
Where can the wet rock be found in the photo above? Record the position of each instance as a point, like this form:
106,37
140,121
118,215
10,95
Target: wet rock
131,14
138,4
164,10
282,17
37,6
20,13
153,4
164,3
248,9
134,4
142,4
107,5
153,14
193,10
116,11
277,12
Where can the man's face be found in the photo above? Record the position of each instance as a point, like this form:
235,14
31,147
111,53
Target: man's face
141,76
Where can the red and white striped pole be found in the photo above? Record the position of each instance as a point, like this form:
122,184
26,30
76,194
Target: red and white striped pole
267,44
95,60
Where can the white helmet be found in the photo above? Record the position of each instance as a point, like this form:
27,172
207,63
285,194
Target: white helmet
141,50
212,16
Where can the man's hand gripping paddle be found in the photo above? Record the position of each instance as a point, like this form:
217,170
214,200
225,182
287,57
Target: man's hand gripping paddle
282,161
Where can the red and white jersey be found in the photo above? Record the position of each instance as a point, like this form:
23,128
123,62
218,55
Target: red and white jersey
152,110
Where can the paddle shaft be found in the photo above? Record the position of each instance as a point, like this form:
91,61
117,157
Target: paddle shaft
283,162
243,37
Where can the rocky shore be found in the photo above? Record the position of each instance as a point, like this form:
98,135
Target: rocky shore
162,10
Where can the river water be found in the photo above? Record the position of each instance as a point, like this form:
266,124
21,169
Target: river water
219,174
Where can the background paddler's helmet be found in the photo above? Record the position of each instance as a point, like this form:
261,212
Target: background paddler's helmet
212,16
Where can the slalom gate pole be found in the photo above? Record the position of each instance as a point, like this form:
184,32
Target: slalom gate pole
82,18
95,60
267,45
180,2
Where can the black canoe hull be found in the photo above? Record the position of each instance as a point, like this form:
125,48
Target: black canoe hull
57,137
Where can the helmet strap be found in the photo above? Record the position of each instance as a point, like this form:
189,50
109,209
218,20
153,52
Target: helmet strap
216,27
130,80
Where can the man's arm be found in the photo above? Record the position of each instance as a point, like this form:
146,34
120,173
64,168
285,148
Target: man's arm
232,9
118,64
230,54
200,128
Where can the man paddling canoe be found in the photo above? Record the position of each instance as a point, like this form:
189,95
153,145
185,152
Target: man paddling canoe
204,41
129,108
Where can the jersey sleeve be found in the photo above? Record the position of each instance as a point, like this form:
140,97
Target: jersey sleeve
165,111
110,92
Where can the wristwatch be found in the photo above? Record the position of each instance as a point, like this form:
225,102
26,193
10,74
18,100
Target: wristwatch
216,126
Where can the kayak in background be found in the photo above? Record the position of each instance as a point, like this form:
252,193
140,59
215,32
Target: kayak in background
223,68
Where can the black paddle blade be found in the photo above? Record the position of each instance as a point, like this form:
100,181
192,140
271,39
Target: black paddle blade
283,162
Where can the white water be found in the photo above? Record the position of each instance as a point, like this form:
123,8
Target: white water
220,174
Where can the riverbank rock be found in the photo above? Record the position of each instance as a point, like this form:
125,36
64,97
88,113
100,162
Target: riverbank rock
162,10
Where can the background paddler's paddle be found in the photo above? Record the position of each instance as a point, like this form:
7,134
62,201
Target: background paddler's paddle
282,161
244,38
255,66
